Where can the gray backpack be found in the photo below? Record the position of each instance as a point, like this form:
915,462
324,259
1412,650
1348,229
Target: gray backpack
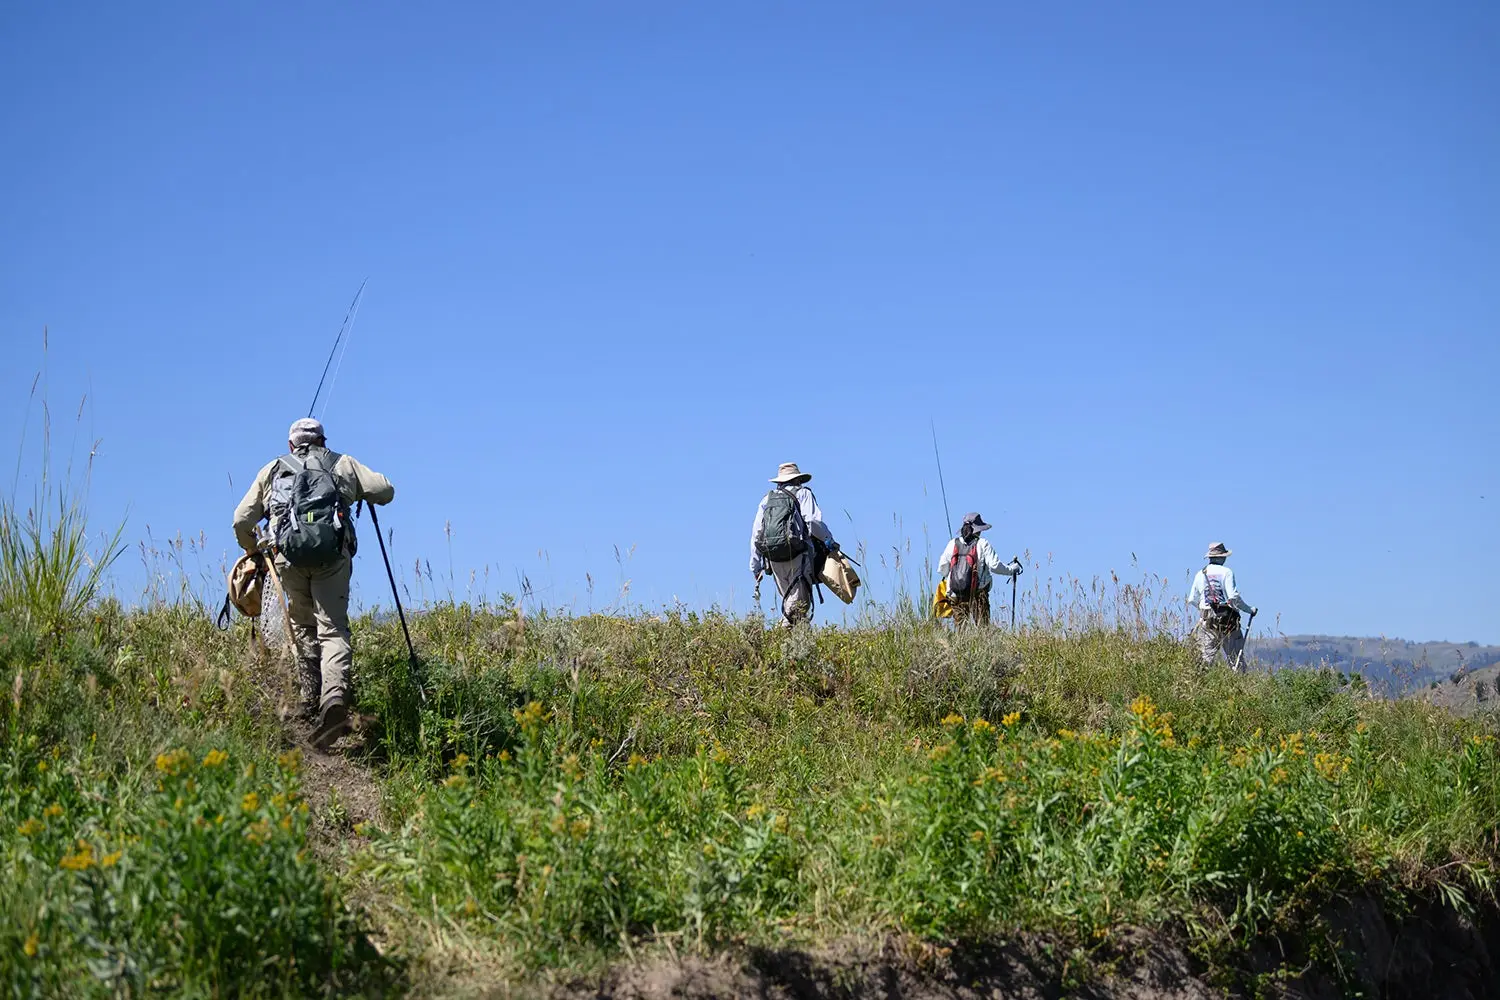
313,527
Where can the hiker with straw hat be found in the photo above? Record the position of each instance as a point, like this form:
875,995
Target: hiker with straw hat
786,536
1219,604
969,566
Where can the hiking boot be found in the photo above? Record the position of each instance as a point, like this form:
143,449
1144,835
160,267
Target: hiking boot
308,712
333,722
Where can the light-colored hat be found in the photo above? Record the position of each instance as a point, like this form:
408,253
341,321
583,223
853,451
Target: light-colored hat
789,473
1217,551
973,521
305,431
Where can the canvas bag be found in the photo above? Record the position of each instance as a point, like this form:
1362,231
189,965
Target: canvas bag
839,577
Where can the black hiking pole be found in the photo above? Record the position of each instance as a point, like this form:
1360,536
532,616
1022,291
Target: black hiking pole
1240,655
411,651
1013,577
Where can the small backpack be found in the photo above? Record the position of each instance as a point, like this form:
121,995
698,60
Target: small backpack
312,520
1220,612
784,532
963,569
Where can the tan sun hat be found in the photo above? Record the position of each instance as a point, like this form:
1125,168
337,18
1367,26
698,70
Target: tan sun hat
789,473
1217,551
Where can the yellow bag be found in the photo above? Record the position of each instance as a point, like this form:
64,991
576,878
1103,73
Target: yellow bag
839,577
941,606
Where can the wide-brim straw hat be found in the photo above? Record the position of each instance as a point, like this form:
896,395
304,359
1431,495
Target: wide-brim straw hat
1217,551
789,473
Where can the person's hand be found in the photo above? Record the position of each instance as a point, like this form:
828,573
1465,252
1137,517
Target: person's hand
1254,612
1015,564
832,545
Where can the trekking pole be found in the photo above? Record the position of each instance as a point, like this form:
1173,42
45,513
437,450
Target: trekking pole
415,670
1013,577
1240,655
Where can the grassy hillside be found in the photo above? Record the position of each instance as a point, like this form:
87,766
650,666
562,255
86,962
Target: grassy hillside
580,792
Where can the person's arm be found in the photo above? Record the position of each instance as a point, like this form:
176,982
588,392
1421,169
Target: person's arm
945,560
992,560
1232,593
757,534
369,484
251,511
813,515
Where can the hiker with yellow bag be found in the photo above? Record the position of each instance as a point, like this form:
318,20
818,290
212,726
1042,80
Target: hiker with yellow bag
969,565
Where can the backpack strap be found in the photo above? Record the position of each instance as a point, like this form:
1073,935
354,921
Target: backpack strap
291,463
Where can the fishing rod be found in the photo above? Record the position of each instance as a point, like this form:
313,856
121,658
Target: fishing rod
946,516
344,330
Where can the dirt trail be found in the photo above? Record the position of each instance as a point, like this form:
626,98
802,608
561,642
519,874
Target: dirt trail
340,790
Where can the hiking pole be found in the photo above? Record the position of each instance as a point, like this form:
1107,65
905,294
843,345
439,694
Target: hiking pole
415,670
1240,655
1013,577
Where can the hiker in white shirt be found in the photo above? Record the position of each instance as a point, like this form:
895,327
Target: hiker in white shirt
796,530
971,558
1219,604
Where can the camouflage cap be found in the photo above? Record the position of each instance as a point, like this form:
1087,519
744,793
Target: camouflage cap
305,431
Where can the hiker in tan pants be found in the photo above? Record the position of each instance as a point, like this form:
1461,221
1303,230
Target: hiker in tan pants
317,597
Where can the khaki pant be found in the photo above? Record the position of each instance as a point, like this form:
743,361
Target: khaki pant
1212,641
319,604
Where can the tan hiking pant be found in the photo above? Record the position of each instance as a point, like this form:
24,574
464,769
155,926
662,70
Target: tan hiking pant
319,604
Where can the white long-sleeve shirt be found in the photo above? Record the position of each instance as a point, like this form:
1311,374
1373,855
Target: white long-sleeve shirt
988,566
1198,596
812,514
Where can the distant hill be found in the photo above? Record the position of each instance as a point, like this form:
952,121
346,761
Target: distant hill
1394,665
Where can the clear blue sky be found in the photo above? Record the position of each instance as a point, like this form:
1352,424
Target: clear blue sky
1163,274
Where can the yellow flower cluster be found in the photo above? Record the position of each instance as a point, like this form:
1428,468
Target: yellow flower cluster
31,827
173,762
291,761
215,758
1293,745
53,811
460,762
1331,765
953,719
250,802
31,945
530,717
982,726
1010,719
258,832
80,860
755,810
635,761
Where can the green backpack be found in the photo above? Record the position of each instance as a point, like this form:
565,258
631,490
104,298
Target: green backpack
784,532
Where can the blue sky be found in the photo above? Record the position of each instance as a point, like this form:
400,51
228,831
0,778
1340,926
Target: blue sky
1162,274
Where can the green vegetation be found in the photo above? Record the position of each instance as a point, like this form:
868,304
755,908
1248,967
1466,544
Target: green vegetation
577,790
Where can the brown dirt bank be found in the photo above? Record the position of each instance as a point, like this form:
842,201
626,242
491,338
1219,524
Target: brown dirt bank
1358,949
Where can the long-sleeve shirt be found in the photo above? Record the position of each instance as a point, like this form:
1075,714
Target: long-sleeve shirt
989,564
1198,596
812,515
356,482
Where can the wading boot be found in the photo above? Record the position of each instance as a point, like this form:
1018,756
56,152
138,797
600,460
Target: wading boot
333,722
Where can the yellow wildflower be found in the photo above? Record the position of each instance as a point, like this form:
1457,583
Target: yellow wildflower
504,756
111,859
215,758
455,781
530,717
30,827
41,767
31,945
258,832
53,811
580,827
1143,708
250,802
982,726
81,859
977,836
635,761
755,810
173,762
570,767
778,823
939,752
953,719
1278,776
291,761
1010,719
461,761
